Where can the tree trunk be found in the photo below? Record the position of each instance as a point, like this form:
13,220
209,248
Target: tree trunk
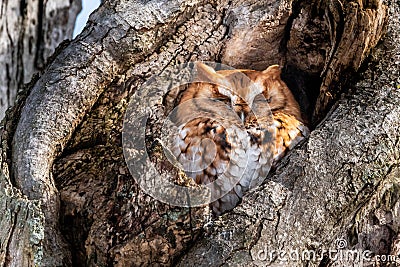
30,31
68,190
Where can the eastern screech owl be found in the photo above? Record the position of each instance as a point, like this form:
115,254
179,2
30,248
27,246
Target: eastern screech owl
235,124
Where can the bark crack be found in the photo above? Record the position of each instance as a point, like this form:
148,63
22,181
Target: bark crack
14,216
38,60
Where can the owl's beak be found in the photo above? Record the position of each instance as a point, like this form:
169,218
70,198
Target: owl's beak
242,116
239,109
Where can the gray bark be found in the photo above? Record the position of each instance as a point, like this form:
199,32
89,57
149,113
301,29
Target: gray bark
62,164
30,31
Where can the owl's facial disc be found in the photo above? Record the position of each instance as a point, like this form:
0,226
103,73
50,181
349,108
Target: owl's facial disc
241,105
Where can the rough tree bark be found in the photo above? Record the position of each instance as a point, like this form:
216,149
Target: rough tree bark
29,33
66,188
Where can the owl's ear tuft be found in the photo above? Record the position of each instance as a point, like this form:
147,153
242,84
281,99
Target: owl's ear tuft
273,71
207,74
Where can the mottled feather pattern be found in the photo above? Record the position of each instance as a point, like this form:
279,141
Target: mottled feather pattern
289,132
233,125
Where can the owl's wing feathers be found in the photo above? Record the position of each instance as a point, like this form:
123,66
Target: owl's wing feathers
289,132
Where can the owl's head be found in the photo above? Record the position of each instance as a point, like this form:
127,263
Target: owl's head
243,89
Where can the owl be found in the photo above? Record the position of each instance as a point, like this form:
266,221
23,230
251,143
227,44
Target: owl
233,126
